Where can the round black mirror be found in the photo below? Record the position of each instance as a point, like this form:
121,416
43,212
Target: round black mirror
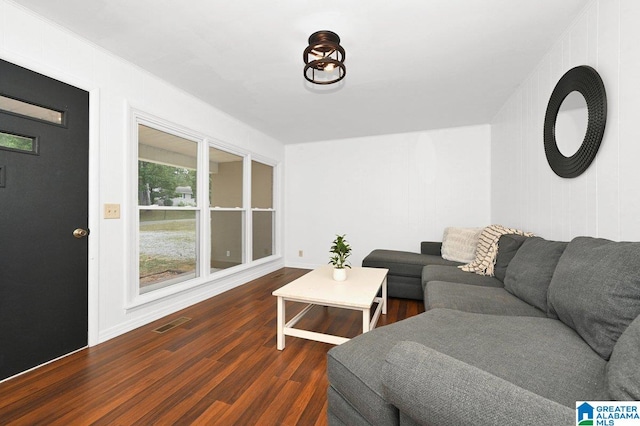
570,143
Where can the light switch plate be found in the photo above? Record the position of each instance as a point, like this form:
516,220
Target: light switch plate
112,211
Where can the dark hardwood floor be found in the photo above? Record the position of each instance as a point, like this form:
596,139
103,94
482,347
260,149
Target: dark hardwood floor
221,367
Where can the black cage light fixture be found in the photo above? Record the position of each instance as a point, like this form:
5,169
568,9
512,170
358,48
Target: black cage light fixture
324,58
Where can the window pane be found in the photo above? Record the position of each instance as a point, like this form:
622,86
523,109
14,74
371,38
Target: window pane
261,186
167,169
226,239
168,247
18,143
29,110
225,171
262,234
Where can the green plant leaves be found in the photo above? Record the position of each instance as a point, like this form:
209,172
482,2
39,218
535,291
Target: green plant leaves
341,250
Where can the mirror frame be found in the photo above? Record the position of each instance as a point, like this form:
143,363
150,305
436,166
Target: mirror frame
587,82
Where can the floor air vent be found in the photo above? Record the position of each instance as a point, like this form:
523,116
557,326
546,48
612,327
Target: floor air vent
171,325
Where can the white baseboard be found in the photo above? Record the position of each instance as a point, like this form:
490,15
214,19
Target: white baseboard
302,265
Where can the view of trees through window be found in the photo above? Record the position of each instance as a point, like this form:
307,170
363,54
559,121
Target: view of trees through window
164,185
19,143
167,189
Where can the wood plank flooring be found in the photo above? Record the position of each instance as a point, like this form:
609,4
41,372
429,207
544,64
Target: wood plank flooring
222,367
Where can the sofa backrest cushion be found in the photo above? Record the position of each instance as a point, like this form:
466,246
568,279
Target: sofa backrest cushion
508,245
530,271
596,290
459,244
623,368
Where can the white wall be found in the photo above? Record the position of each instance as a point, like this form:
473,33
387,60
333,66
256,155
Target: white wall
34,43
604,201
384,192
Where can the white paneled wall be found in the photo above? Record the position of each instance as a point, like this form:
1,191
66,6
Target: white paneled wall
35,43
605,200
384,192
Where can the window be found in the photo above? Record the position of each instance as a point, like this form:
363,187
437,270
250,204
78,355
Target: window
262,209
25,109
17,143
226,172
167,204
196,200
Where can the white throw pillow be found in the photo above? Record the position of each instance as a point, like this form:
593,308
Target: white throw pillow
459,244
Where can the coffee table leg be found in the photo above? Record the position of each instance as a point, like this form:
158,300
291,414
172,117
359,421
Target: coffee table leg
366,313
280,336
384,296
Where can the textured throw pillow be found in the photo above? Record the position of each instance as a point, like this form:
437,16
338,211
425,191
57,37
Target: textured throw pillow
530,271
508,245
623,369
487,249
596,290
459,244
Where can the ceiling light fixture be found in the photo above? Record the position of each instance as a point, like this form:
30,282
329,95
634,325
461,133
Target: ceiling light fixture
324,58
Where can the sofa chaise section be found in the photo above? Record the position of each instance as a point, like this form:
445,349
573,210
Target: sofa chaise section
404,279
410,272
538,355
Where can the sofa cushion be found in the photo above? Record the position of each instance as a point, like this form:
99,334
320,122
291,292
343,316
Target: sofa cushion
596,290
521,350
508,245
431,247
479,398
473,298
530,271
488,249
623,369
459,244
454,275
403,262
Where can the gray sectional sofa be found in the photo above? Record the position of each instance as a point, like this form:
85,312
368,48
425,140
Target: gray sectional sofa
558,324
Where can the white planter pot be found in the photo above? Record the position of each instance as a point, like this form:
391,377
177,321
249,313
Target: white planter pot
339,274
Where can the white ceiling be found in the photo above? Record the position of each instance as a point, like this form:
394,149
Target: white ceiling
411,64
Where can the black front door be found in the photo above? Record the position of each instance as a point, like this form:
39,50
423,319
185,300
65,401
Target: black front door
44,160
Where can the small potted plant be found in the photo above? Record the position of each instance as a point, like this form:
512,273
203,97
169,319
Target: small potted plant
340,251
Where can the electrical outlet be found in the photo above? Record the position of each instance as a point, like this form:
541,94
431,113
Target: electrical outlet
300,253
112,211
228,253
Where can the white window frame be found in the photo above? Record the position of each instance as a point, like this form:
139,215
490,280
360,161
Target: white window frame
203,210
213,143
273,209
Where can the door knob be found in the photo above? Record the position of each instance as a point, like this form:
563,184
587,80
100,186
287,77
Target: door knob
80,233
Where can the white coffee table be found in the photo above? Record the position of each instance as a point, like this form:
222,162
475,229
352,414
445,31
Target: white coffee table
358,292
